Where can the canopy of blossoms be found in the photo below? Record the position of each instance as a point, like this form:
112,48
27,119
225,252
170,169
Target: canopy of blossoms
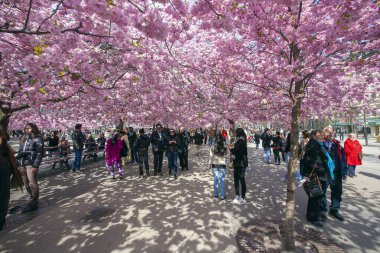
184,62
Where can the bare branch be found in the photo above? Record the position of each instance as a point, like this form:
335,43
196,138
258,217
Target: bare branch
46,19
212,8
28,15
139,8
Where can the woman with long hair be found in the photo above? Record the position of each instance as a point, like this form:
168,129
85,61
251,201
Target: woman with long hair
240,163
29,158
8,169
217,163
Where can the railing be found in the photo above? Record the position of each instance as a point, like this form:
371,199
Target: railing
57,154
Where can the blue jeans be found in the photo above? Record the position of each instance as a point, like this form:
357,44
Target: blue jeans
172,161
134,156
219,176
267,154
351,170
287,157
211,141
77,159
257,145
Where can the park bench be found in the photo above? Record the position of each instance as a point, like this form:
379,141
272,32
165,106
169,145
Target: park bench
58,156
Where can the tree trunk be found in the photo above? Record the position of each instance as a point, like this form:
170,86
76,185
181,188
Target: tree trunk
289,239
4,120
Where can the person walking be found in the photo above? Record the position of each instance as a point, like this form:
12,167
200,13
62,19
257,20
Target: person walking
256,137
114,146
157,140
126,148
172,147
29,158
198,140
183,149
217,164
211,137
354,154
317,162
132,137
240,163
8,169
142,146
336,153
78,139
276,146
266,138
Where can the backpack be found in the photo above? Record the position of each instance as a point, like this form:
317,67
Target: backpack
125,150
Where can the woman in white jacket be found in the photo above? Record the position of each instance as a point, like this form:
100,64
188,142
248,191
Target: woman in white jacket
217,163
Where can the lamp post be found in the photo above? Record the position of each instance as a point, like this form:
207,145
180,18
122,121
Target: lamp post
365,129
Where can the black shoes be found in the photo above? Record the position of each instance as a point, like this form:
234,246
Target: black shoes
336,215
323,217
29,208
316,223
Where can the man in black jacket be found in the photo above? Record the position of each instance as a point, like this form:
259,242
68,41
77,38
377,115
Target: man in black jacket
158,146
183,151
266,137
256,137
78,140
336,153
29,158
132,138
142,145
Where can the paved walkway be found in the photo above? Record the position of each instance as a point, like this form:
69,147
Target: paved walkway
160,214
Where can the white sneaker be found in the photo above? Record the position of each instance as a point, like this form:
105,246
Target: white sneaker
236,200
242,201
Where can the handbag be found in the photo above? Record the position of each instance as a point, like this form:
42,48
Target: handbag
360,156
313,187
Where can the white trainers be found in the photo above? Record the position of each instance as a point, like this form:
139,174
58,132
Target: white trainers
242,201
236,200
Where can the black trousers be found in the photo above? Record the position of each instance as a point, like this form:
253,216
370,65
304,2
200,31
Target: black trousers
315,206
239,178
184,160
336,191
277,158
143,160
158,157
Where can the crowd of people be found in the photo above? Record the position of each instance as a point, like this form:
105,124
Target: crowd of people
322,159
321,156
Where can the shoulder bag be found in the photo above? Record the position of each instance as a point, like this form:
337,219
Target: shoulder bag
313,187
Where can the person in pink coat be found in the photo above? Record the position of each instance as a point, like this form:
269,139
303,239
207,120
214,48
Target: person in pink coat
113,148
353,152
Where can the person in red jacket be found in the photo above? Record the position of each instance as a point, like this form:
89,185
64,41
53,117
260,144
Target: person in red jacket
353,152
224,134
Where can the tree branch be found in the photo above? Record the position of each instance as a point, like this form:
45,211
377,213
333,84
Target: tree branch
28,15
46,19
140,10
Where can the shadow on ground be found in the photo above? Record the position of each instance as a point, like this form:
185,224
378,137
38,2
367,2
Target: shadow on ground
160,214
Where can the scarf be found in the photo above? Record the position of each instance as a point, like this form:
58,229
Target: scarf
330,163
